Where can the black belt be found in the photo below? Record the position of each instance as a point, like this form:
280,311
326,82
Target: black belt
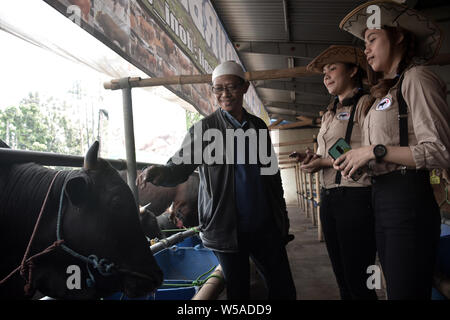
340,189
401,173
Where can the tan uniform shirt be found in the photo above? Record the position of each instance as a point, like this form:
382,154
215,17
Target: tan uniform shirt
334,126
428,121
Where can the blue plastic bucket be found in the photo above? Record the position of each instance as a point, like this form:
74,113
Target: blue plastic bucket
181,265
185,263
190,242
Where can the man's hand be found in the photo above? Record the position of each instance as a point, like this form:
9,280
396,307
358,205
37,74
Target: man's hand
155,174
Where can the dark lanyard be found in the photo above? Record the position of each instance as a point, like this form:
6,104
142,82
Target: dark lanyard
402,115
348,132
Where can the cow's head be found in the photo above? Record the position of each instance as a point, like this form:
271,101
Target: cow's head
100,217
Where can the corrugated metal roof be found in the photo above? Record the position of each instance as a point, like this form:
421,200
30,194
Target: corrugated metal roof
311,24
255,20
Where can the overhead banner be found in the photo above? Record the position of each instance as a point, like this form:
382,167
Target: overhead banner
163,38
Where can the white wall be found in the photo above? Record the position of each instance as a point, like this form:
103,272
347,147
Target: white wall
288,175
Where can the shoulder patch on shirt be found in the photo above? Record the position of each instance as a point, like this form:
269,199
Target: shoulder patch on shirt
384,104
343,116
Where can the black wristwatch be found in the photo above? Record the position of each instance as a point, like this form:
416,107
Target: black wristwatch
379,151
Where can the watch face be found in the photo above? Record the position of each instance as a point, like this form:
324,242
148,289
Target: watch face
380,151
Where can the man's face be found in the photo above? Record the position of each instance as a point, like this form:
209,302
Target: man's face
229,91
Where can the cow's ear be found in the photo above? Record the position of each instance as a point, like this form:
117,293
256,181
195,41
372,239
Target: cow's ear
77,190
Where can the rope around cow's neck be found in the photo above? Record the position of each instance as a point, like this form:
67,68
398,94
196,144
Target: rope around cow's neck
103,266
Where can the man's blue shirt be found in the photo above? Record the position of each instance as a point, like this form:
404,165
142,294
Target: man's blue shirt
251,201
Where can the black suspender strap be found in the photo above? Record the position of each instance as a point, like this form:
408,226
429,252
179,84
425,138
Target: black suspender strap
336,101
348,132
402,115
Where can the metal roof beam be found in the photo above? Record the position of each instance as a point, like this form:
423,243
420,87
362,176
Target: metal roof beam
283,116
301,99
306,88
305,51
293,109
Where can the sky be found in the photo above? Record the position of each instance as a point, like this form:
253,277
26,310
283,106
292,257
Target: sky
26,68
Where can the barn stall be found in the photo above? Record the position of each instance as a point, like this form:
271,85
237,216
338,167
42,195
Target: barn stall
287,98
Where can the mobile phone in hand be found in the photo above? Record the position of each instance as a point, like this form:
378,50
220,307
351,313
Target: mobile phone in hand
339,148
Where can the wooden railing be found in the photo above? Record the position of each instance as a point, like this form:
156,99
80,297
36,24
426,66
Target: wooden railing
307,185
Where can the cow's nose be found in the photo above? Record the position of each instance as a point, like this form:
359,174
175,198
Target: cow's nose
136,286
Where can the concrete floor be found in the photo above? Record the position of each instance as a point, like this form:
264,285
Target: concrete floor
310,265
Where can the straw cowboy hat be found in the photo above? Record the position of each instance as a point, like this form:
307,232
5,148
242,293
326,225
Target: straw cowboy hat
344,54
393,14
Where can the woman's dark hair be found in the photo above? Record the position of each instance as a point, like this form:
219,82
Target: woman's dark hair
358,80
380,86
359,76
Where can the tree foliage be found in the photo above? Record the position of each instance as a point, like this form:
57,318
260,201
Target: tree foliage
40,126
191,118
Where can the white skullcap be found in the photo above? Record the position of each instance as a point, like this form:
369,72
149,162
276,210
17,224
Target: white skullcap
228,68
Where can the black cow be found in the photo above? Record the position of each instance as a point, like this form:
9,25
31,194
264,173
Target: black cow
99,217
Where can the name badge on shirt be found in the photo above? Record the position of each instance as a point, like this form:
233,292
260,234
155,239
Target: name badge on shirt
384,104
343,116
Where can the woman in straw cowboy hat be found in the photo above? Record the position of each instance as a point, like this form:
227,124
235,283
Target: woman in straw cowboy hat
346,214
405,133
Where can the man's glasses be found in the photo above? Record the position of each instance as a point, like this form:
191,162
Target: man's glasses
229,88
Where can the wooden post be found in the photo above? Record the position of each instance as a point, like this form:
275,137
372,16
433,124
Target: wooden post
301,188
297,173
305,194
443,59
206,78
311,197
300,191
296,184
319,223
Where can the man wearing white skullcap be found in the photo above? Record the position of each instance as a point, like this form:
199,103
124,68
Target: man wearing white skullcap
229,86
242,213
228,68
